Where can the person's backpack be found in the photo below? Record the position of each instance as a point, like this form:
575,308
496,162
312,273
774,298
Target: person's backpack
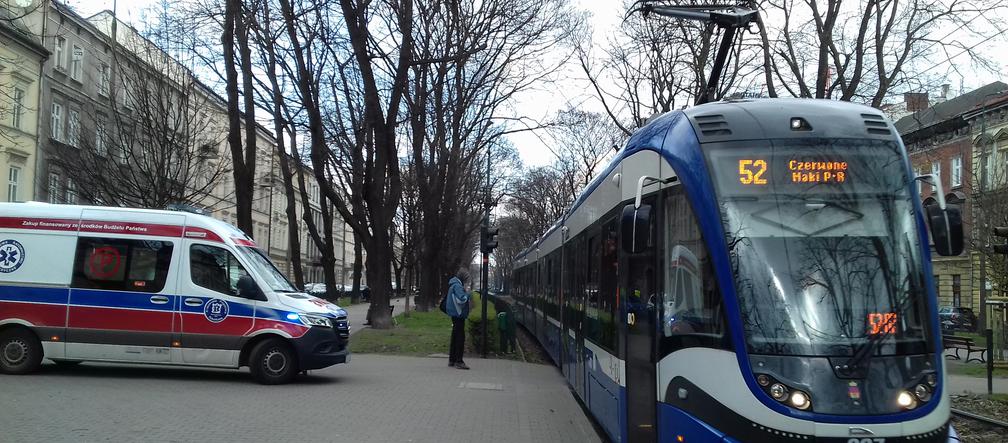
443,306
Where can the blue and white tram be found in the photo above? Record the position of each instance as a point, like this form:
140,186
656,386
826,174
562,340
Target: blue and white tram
749,271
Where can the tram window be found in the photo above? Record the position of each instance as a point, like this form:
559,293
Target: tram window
607,286
691,308
578,288
592,289
556,285
568,284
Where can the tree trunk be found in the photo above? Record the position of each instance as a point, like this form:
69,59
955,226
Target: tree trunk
239,171
279,126
245,189
358,266
378,271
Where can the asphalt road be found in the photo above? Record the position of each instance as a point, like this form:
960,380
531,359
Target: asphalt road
374,398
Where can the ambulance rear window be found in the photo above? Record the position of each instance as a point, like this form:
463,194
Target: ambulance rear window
121,265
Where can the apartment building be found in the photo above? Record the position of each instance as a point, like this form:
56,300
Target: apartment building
945,139
93,98
21,58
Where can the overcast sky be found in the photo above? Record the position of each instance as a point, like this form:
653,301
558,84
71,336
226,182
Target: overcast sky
572,88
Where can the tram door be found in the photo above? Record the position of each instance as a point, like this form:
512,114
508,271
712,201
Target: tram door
573,309
639,290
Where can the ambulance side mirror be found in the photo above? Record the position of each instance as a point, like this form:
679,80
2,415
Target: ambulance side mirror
248,288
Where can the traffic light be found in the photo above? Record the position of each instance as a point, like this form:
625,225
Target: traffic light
1001,232
488,239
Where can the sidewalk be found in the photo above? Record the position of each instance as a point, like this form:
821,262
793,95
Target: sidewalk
357,314
961,384
416,399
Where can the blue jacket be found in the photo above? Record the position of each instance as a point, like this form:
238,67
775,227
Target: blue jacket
458,301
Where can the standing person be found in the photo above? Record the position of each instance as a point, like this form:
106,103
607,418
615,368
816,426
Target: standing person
457,307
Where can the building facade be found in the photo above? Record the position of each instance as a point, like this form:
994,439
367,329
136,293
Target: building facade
81,97
21,58
947,140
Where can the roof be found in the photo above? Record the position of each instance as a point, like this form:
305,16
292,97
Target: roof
948,110
11,25
155,222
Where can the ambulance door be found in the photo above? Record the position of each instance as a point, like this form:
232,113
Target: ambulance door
122,291
214,318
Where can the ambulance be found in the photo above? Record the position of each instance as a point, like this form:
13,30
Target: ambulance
83,283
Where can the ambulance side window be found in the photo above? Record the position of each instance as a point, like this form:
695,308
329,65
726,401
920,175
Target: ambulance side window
117,264
215,269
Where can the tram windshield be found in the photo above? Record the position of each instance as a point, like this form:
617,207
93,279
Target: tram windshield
824,246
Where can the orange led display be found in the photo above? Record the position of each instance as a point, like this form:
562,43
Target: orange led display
751,171
882,323
817,171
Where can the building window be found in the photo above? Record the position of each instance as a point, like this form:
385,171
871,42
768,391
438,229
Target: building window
100,148
956,294
1004,165
987,164
104,82
936,169
77,63
61,53
13,180
73,128
54,187
56,122
957,171
17,108
920,184
71,192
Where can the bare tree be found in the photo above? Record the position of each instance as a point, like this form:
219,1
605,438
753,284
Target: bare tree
583,140
863,51
243,149
539,196
157,144
656,64
471,59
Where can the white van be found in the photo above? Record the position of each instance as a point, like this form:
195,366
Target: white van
81,283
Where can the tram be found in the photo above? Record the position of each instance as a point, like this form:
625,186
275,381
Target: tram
753,270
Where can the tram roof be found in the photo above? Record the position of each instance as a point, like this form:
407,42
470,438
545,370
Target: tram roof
749,119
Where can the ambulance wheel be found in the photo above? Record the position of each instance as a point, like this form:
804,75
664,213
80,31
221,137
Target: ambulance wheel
20,352
273,362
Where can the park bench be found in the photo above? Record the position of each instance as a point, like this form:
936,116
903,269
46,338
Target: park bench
957,343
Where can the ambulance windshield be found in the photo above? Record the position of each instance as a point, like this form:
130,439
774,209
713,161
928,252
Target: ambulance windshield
264,267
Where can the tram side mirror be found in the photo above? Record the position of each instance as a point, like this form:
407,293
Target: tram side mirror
946,229
635,228
248,288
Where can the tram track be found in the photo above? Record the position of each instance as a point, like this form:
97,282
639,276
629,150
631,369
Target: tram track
980,418
973,427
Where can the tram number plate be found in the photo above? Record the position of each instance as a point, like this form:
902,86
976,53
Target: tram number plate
866,440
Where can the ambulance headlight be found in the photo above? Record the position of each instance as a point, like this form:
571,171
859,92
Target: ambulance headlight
315,320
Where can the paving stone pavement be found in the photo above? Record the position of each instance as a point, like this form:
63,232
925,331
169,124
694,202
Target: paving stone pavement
372,399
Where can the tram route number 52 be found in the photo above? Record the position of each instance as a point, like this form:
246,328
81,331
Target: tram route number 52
751,171
865,440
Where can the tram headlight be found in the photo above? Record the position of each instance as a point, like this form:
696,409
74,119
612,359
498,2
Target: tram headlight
922,392
800,400
763,379
906,400
932,379
778,391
